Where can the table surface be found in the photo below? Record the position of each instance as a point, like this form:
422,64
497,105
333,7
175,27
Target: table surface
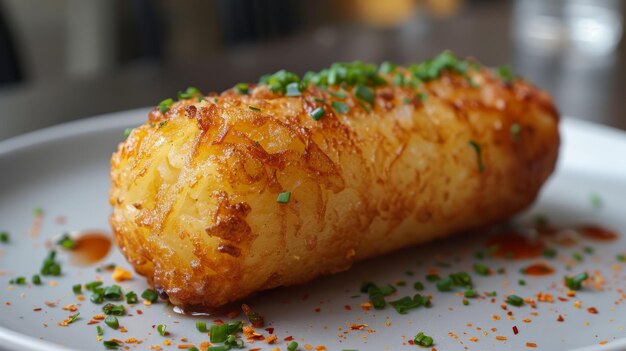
592,87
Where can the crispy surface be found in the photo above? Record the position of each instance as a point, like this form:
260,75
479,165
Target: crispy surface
194,191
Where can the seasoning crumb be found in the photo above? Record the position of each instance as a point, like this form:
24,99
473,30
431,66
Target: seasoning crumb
501,338
560,319
120,274
531,344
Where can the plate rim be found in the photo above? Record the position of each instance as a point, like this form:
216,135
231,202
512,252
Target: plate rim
117,120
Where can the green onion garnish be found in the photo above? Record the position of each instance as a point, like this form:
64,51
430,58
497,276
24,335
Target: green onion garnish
338,94
578,256
36,279
93,285
318,113
50,265
161,328
432,277
418,286
165,105
283,197
97,297
112,322
576,282
407,303
111,344
469,293
481,269
201,326
423,340
219,332
505,73
4,237
516,128
398,79
364,93
479,159
340,107
596,201
491,294
127,132
254,108
521,282
149,295
549,252
514,300
387,67
188,93
193,348
620,258
242,88
292,346
20,280
444,284
113,292
77,289
114,310
293,89
131,298
99,330
422,97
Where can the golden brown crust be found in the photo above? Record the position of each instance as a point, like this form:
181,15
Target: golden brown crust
194,191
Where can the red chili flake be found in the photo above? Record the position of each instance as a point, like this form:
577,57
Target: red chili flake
256,349
289,338
592,310
37,309
318,309
562,299
7,303
139,312
411,342
515,331
348,307
270,330
560,319
218,321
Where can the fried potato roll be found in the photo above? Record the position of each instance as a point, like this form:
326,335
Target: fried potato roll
218,197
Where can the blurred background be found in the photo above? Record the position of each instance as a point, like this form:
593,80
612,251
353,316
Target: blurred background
62,60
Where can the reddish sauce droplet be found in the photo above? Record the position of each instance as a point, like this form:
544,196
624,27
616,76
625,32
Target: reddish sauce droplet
91,247
538,269
515,246
597,233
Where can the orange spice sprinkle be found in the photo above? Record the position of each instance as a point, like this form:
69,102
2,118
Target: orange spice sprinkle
358,326
501,338
570,293
70,307
98,317
526,320
473,339
185,346
366,306
592,310
321,348
271,339
123,330
495,317
603,342
120,274
308,346
578,304
167,342
531,344
130,340
80,298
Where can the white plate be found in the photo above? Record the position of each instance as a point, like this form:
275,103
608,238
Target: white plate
64,170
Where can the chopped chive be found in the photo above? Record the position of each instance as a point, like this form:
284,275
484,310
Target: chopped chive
114,310
219,332
111,344
77,289
4,237
112,322
131,298
444,284
422,97
338,94
575,282
491,294
99,330
340,107
92,285
50,265
578,256
588,250
620,258
292,346
406,303
418,286
165,105
521,282
127,132
193,348
283,197
242,88
188,93
432,277
505,73
514,300
293,89
479,159
318,113
97,297
364,93
149,295
113,292
422,339
461,279
470,293
20,280
387,67
37,211
161,328
36,279
398,79
466,302
73,318
201,326
254,108
481,269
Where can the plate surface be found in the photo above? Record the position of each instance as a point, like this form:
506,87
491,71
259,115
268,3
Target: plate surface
64,171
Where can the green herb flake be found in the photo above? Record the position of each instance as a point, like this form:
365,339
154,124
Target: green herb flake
149,295
340,107
479,158
318,113
444,284
36,279
4,237
620,258
293,89
575,283
112,322
161,328
165,105
99,330
549,252
283,197
67,242
521,282
387,67
127,132
470,293
201,326
596,201
481,269
292,346
188,93
242,88
514,300
422,96
77,289
418,286
364,93
131,298
114,310
432,277
254,108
